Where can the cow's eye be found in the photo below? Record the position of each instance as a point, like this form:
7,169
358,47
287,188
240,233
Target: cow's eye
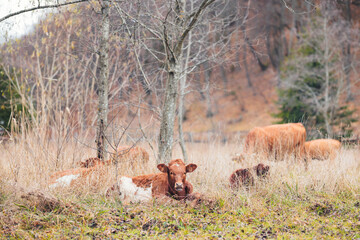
171,173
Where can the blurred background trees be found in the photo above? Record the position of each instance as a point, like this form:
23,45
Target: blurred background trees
234,63
314,76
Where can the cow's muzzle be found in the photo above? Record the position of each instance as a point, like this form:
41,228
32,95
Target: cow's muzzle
179,186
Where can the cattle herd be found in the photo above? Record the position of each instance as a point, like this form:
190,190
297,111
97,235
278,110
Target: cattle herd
274,141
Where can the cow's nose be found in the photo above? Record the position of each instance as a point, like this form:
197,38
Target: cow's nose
178,186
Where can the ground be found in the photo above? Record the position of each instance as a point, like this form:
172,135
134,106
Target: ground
309,216
322,202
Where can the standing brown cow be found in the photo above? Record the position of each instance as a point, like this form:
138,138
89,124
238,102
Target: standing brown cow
278,140
322,149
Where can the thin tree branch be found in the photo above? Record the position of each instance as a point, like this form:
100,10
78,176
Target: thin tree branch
202,7
40,7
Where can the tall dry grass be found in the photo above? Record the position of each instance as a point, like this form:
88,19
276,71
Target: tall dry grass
29,160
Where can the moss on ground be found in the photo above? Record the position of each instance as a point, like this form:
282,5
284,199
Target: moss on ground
314,215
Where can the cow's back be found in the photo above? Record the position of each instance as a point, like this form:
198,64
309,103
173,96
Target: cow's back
257,140
286,137
322,149
132,155
136,189
278,139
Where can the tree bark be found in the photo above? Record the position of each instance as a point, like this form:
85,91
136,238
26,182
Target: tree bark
327,80
182,99
174,58
208,71
103,77
347,53
166,137
224,78
243,29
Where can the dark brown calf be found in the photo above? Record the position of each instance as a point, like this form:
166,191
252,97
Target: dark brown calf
244,177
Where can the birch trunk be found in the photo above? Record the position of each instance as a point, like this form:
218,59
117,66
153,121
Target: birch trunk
243,29
174,63
181,117
347,53
166,137
327,80
182,99
103,81
208,71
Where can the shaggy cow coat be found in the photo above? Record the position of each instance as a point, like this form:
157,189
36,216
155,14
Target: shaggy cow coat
245,177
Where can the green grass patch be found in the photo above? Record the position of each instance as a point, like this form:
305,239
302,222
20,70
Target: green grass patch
316,216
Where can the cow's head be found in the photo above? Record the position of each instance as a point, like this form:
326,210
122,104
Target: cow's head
91,162
261,170
238,158
177,173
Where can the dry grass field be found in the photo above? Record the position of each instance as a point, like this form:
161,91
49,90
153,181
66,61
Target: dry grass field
323,202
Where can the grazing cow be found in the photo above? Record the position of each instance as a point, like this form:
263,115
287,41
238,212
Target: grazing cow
129,154
244,177
171,182
279,139
322,149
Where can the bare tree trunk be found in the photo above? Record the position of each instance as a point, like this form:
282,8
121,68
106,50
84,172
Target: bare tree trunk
166,137
181,117
285,47
174,58
327,81
243,29
208,71
238,50
262,66
293,31
246,67
199,86
347,53
224,77
182,98
103,81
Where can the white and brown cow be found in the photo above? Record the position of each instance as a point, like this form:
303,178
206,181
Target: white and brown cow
93,171
170,183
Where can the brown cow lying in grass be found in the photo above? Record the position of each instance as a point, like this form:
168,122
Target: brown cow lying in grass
132,155
124,154
244,177
92,162
90,171
170,183
322,149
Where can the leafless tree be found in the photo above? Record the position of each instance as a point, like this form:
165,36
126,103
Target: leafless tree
163,30
103,80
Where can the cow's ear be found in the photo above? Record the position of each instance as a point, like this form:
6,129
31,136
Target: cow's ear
163,168
191,167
